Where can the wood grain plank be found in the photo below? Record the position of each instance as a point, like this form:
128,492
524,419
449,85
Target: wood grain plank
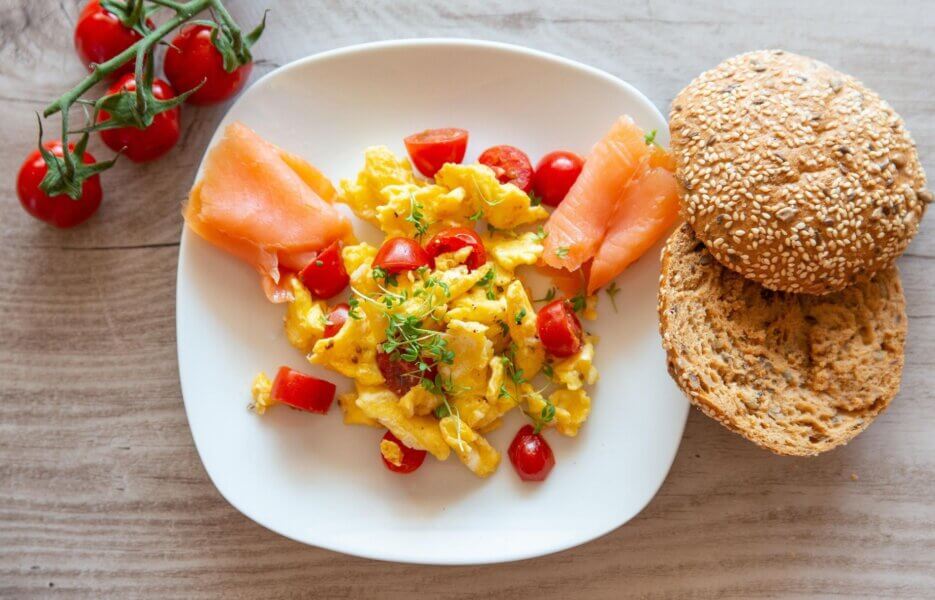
102,494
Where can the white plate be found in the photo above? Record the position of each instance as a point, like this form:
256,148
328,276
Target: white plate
315,480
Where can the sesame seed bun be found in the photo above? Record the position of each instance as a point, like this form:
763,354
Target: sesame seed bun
793,174
797,374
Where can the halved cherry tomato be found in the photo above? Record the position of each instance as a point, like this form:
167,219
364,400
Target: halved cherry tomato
531,455
400,254
141,145
554,176
336,319
302,391
451,240
191,58
100,36
410,458
432,148
510,164
559,328
326,276
399,374
60,211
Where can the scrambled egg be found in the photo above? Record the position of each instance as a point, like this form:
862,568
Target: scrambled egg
467,339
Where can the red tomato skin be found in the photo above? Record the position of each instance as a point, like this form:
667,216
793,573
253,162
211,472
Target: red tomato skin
302,391
412,458
142,145
337,317
100,36
401,254
451,240
554,176
59,211
531,455
432,148
510,164
325,276
192,58
559,328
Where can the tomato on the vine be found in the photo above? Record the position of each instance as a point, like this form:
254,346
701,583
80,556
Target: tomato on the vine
455,238
559,328
531,455
141,145
61,210
398,457
510,165
100,36
192,58
432,148
400,254
554,176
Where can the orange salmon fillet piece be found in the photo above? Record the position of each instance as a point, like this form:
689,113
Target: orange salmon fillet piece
577,227
647,209
265,206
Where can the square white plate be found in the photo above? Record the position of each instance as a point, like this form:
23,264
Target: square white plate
317,481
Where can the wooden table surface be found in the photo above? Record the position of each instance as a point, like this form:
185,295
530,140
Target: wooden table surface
102,494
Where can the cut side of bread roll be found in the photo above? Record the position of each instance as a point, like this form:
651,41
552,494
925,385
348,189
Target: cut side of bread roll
797,374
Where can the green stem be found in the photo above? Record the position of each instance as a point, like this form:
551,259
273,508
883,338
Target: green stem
230,24
184,12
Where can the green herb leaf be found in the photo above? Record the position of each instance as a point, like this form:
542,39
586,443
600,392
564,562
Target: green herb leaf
549,296
612,291
561,252
534,200
518,317
540,233
416,217
442,411
476,216
650,138
579,302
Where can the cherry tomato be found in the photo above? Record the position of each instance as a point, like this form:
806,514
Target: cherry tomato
399,374
554,176
432,148
326,276
60,211
100,36
336,319
400,254
410,460
141,145
451,240
531,455
559,328
191,58
510,164
302,391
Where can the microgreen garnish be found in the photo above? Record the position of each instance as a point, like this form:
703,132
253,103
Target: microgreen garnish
354,305
416,217
650,138
324,320
435,281
579,302
504,328
442,410
481,194
487,282
408,340
476,216
612,291
547,370
540,233
534,199
561,252
546,415
549,296
518,317
380,273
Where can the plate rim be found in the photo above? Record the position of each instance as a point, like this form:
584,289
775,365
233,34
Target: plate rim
401,557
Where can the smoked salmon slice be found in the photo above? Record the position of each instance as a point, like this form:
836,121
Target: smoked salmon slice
577,227
647,209
265,206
